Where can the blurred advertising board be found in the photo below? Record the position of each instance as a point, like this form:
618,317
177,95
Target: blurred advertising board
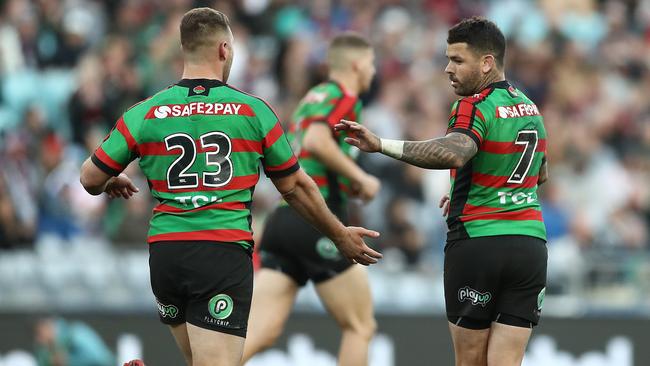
312,340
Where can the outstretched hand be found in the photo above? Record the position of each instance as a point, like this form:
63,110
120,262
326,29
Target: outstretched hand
120,186
359,136
355,249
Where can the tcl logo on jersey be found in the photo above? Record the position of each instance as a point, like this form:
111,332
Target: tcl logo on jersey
516,198
199,108
517,110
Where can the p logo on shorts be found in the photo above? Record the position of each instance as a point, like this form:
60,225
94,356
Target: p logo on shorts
476,297
220,306
540,299
326,249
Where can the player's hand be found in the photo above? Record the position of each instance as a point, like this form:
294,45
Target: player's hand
366,188
444,205
359,136
120,186
352,246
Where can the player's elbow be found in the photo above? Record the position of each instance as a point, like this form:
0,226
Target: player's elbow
294,187
313,146
286,186
91,183
457,162
318,140
541,179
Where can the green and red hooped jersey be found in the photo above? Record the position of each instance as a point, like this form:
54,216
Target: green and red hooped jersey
200,143
495,193
325,103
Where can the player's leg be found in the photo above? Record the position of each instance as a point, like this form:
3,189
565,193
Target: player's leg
214,348
179,331
470,345
170,298
507,344
273,293
471,280
520,301
277,283
219,282
347,297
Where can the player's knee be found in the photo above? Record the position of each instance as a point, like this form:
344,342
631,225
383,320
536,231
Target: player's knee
471,357
267,339
364,328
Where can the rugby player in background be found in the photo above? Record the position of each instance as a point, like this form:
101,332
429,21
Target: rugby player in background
293,252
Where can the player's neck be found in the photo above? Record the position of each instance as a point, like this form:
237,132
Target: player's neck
347,81
492,78
202,71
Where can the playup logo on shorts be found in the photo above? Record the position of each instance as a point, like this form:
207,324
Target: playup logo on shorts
167,310
476,297
220,306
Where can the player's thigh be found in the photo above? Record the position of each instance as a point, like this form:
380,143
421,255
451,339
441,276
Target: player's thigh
273,293
348,298
523,281
213,348
472,277
166,282
507,344
219,283
179,331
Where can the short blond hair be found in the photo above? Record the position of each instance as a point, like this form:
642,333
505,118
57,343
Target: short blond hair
199,27
342,48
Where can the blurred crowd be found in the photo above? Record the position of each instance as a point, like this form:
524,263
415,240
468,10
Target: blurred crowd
69,68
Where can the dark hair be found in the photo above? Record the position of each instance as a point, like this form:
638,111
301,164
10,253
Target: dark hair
481,35
198,27
350,40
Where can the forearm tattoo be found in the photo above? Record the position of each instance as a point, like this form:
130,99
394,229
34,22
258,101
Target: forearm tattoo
451,151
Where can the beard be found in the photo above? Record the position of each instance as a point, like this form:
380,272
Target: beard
469,86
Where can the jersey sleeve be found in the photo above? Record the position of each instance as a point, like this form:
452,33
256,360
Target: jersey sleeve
117,150
278,158
330,110
467,118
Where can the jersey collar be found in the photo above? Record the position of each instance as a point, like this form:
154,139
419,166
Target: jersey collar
503,84
200,86
341,87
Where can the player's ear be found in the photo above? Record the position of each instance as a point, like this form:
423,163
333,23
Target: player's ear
225,49
354,65
488,63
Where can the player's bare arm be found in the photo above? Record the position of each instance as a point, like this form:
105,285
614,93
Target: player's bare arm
543,173
448,152
319,142
302,194
96,182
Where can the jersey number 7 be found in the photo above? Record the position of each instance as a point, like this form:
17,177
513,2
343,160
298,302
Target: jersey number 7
177,176
528,138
